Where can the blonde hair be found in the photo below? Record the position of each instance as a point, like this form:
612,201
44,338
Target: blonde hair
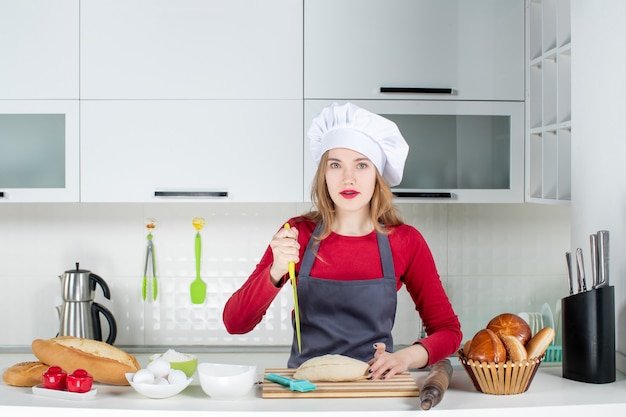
382,211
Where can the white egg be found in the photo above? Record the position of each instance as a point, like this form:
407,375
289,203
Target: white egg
143,376
161,381
176,376
159,367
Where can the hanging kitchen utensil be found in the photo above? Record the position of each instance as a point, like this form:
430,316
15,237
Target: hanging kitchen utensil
198,287
150,260
292,278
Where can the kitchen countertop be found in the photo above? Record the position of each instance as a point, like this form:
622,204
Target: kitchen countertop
548,393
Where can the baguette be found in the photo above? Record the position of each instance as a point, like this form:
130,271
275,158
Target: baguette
106,363
24,374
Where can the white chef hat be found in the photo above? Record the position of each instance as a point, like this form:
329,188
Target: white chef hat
349,126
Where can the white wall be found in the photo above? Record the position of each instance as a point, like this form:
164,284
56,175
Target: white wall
599,138
493,258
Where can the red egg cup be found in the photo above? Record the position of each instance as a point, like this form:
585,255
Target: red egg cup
79,381
54,378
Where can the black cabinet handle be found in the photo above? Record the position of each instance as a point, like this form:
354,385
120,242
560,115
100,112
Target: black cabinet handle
192,194
419,194
1,194
416,90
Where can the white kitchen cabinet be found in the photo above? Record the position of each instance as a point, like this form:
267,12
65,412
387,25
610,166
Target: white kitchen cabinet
39,49
191,150
191,49
548,103
39,151
353,48
459,151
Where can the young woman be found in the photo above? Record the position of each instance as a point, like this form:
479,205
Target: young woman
352,254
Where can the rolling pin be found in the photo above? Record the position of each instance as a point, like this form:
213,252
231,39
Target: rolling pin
435,384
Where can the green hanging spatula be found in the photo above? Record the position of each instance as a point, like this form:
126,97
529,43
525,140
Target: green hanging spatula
198,287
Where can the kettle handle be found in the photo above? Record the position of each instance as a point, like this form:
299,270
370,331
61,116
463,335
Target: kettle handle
97,309
96,279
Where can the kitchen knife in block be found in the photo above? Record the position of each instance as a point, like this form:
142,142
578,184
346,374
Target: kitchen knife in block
603,259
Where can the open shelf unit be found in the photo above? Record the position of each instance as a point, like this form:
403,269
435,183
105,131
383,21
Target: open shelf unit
548,102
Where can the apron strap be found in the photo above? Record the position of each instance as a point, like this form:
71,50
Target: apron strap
385,256
309,253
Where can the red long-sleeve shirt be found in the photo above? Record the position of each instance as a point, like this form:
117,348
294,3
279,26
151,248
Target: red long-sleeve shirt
351,258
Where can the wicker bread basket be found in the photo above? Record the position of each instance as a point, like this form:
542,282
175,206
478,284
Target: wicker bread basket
503,378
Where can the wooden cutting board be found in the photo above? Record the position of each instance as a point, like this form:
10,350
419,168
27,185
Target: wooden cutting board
400,385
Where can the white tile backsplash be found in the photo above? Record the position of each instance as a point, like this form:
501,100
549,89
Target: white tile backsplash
492,258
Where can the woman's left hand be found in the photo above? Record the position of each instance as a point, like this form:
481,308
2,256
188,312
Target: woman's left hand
384,365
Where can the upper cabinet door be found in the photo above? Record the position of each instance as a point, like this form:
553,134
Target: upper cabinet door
39,151
459,151
39,49
191,150
191,49
353,48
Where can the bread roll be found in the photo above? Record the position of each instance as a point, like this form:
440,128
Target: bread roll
508,324
515,351
540,342
466,347
25,374
332,368
486,346
106,363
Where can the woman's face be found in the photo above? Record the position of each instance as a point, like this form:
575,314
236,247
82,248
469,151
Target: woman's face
350,178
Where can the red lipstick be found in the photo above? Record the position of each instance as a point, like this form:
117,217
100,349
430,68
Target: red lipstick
349,194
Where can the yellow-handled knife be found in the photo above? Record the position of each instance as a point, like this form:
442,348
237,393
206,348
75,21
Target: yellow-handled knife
292,278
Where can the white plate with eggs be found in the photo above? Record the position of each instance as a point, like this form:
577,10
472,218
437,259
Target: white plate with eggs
158,380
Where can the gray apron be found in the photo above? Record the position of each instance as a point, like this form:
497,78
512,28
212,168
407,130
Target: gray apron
344,317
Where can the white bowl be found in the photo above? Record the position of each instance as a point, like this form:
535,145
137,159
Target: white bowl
157,391
225,381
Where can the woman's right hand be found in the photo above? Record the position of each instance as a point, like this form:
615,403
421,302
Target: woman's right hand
285,249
